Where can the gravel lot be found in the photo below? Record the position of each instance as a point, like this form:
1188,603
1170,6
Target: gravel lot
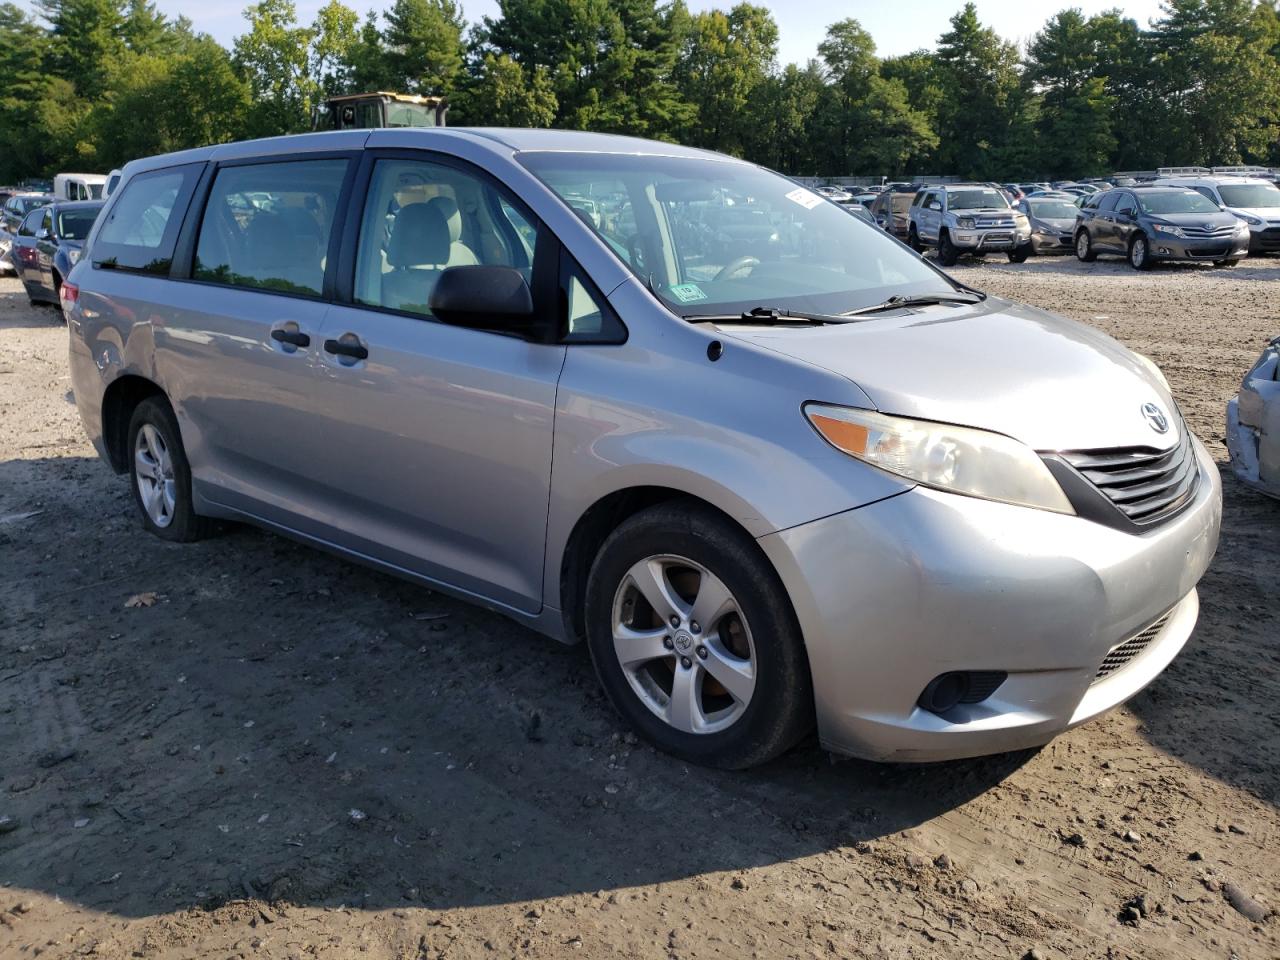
289,755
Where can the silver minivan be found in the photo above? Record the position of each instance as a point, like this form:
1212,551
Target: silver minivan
770,465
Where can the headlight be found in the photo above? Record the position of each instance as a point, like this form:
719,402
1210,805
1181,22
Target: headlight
1251,221
1167,228
965,223
961,460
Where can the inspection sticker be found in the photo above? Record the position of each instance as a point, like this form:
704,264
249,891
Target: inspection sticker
687,292
804,197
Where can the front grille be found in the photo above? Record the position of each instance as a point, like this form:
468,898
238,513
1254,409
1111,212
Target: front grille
1209,233
986,223
1122,653
1144,484
1270,239
1210,253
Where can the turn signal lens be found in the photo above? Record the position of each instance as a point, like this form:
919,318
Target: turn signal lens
975,463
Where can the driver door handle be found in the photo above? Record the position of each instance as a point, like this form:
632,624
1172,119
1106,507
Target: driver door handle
293,337
344,349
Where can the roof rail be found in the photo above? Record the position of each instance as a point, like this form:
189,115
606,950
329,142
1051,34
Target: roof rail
1244,169
1184,171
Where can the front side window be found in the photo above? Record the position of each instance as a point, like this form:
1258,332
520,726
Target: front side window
1186,202
1126,205
267,225
141,229
712,236
31,223
420,219
1256,195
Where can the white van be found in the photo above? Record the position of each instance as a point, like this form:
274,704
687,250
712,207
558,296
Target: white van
78,186
1254,200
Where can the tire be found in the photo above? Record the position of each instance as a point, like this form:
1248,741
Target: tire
947,252
1020,254
57,295
1140,253
913,240
1084,247
754,642
171,516
1225,263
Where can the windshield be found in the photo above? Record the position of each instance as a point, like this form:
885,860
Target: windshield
400,114
27,204
719,237
75,224
1053,209
975,199
1250,195
1189,202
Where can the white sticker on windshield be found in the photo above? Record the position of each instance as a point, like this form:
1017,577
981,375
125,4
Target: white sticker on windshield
687,292
804,197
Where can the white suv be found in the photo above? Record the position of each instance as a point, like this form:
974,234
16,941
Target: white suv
1252,199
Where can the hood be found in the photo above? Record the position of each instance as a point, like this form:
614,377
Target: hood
1269,215
1051,383
1061,224
1217,218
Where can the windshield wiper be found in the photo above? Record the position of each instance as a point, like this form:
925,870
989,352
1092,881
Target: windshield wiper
921,300
766,315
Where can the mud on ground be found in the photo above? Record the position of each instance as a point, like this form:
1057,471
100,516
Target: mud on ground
288,755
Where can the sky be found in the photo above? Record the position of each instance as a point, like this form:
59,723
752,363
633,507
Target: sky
897,27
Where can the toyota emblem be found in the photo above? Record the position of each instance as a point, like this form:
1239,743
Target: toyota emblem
1155,417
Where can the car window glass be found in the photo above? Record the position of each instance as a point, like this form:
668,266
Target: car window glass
1256,195
1207,194
30,224
1187,201
1108,202
422,218
268,224
976,199
1126,205
141,228
46,222
76,224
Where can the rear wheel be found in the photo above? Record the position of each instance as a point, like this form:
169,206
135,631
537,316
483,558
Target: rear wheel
694,639
160,475
947,252
913,240
1084,248
1020,254
1139,253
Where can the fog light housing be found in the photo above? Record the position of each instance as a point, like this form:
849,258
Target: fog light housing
948,690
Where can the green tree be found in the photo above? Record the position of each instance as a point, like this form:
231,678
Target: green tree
85,38
504,94
424,48
334,35
273,59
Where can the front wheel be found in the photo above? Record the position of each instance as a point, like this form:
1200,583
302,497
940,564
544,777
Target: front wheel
694,639
913,240
947,252
1084,248
160,475
1139,253
1020,254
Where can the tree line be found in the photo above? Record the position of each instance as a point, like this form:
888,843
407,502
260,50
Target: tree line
91,84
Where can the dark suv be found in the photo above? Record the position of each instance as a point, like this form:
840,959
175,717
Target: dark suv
1146,224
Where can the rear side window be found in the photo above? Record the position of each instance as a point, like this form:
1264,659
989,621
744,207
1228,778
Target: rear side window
1108,202
31,224
142,226
268,225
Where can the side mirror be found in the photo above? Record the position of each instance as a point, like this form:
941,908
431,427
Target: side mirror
43,234
934,205
484,298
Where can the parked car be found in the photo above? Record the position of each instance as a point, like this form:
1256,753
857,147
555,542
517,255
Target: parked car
79,186
835,193
1147,224
892,211
14,211
1253,424
1252,199
860,212
838,485
1053,221
49,245
961,218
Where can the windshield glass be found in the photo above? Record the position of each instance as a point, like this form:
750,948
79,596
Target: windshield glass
400,114
975,199
1189,202
720,237
1053,209
27,204
75,224
1250,195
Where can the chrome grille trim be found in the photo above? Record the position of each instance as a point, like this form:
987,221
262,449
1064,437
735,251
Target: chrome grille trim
1123,653
1212,233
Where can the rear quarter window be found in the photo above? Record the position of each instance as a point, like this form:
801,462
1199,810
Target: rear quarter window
141,227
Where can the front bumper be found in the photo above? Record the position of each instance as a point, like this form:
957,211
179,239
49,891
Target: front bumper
1049,243
990,240
891,595
1176,248
1264,240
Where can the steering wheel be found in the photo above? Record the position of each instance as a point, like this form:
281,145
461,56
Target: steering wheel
729,269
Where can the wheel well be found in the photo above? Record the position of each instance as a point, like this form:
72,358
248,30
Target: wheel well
121,399
590,533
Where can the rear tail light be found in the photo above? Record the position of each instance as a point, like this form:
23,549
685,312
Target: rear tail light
69,294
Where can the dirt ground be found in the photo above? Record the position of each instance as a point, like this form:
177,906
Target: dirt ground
288,755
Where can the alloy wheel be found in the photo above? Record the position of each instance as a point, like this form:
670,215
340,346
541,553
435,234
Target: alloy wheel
683,644
153,468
